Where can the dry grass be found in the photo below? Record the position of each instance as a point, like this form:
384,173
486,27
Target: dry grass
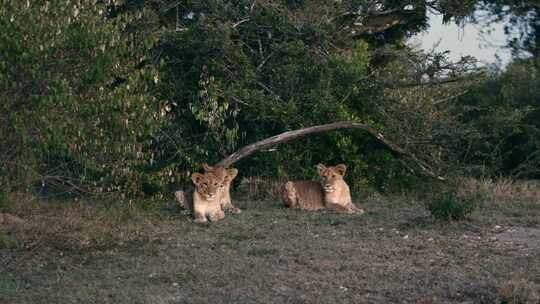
260,188
86,252
520,292
503,189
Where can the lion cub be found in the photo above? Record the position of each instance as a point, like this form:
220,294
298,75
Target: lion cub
332,193
225,192
205,201
206,197
337,195
307,195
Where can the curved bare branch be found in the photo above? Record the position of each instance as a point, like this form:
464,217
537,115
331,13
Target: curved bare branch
291,135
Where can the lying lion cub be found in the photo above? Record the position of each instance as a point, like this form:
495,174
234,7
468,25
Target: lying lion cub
205,201
225,192
307,195
332,193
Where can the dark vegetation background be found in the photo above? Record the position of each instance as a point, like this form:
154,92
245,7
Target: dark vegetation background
126,98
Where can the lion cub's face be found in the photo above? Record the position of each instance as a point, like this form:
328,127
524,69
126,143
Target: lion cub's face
218,172
331,177
207,184
227,174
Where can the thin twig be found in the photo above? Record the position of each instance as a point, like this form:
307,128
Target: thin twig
262,85
240,22
264,61
450,97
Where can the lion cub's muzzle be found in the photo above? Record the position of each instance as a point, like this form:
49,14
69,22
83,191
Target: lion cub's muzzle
210,196
328,188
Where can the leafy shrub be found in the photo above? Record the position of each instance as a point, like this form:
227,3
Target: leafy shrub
75,110
451,204
502,117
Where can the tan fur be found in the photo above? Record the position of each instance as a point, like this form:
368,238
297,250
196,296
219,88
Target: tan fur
225,192
185,199
332,193
306,195
206,197
337,195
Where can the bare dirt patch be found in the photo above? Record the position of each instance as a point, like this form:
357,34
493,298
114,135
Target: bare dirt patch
524,237
10,219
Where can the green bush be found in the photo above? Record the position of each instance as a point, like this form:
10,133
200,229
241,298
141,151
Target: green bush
76,114
450,204
502,118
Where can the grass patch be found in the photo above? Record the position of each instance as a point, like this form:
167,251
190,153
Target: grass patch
519,292
10,286
238,236
7,241
262,252
77,252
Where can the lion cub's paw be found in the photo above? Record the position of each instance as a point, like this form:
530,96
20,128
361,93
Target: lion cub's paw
217,216
356,210
199,218
235,210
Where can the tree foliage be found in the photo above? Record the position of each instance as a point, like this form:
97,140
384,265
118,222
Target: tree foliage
131,96
235,73
77,111
503,116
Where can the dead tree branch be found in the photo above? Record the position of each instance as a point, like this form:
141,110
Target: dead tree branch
291,135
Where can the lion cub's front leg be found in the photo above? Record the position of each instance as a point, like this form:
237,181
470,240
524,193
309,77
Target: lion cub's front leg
349,209
338,208
216,216
226,203
199,218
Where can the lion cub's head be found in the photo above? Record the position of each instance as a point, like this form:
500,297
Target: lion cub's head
207,184
331,177
227,174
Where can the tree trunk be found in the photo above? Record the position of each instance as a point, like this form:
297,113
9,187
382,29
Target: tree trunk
290,135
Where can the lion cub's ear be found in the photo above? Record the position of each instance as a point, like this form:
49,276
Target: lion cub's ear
232,173
197,178
206,167
321,169
341,169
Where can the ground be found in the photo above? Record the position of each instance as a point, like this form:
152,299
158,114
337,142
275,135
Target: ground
82,252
